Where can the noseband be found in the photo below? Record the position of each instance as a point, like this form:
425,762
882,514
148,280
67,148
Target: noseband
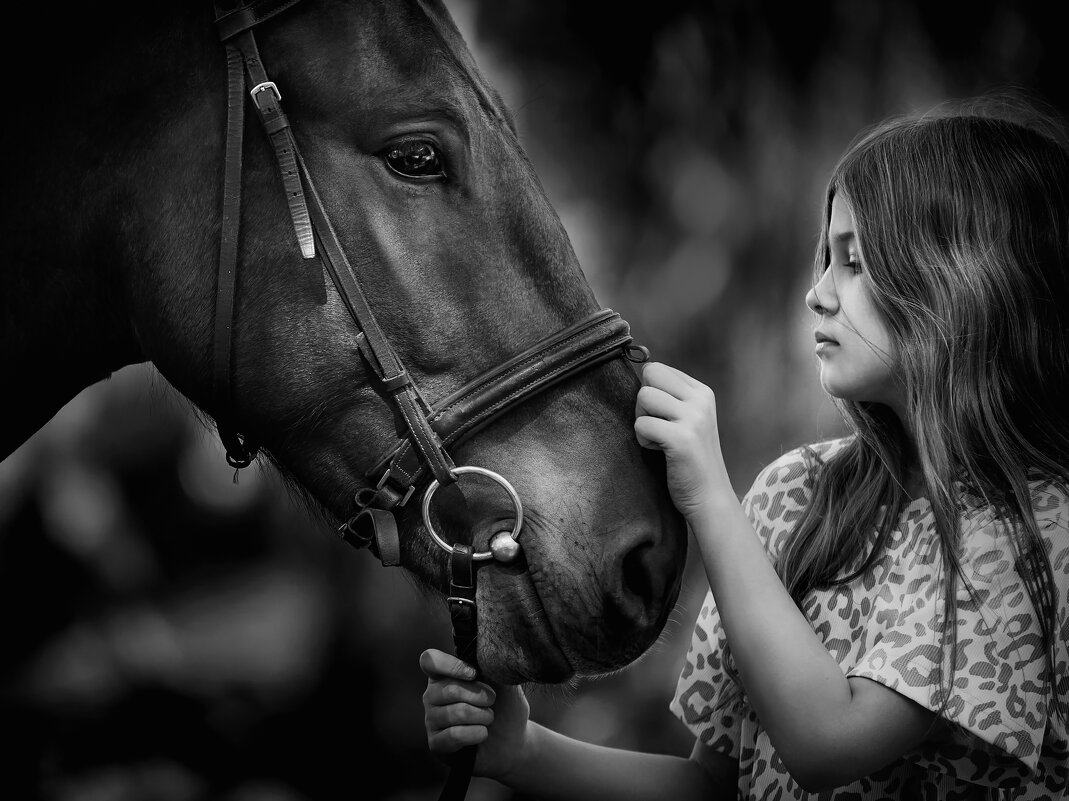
420,456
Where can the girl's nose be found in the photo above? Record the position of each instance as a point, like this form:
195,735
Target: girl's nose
822,298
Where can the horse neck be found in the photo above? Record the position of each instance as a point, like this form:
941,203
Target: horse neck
64,321
59,336
76,124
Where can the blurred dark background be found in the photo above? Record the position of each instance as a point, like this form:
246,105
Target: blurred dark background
170,635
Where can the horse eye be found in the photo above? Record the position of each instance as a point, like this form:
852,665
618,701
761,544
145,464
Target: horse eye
415,158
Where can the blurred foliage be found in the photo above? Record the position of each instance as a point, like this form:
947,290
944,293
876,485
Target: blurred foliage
172,635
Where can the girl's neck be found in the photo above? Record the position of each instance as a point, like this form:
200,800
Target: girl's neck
914,482
913,476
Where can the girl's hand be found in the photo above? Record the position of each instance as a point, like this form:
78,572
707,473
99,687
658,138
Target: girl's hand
676,414
460,711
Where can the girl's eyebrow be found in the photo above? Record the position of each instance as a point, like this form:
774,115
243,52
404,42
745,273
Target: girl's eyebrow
844,237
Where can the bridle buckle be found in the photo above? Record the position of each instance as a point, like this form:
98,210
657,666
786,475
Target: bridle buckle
260,87
382,483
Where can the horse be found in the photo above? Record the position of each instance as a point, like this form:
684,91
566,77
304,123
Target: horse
371,280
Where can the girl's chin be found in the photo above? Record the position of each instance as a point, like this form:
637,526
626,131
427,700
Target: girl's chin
840,390
854,395
830,385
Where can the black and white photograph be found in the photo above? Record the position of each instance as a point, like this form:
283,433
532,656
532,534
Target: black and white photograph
460,400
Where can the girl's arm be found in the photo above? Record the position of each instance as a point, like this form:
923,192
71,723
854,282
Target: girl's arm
539,762
827,729
559,767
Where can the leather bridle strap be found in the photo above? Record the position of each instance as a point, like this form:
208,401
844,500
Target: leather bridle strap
393,380
268,102
239,452
421,452
428,431
601,337
235,28
230,22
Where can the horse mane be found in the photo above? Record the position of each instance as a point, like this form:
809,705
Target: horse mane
82,33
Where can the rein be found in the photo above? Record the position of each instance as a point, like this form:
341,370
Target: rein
420,455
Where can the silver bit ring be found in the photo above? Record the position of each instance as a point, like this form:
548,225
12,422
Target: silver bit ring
480,556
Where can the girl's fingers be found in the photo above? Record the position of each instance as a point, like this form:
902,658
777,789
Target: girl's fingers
446,692
655,401
439,718
455,738
655,433
674,382
667,421
438,664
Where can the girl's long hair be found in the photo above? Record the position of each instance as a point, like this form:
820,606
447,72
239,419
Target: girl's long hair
962,220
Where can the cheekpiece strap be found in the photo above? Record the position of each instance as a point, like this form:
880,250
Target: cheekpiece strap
267,99
239,451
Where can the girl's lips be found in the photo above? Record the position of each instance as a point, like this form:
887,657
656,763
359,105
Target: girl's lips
824,343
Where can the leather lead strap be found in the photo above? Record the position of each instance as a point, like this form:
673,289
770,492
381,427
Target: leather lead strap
462,612
462,602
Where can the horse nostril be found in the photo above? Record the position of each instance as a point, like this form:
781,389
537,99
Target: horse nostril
638,580
641,580
642,585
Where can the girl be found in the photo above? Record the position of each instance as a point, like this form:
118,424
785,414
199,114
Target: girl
888,613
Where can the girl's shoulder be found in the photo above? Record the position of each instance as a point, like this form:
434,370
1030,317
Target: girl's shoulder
793,471
1050,507
780,493
1050,502
988,533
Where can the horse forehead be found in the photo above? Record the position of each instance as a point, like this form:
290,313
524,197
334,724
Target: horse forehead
393,54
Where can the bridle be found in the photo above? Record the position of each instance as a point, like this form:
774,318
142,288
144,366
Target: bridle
420,455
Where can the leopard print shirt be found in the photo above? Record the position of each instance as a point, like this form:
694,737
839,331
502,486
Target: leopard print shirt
1003,743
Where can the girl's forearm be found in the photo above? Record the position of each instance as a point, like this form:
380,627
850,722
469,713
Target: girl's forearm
556,767
793,683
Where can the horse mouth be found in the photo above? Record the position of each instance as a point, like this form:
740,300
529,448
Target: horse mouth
517,642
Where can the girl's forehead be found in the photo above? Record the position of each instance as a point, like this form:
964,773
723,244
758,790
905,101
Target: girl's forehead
841,221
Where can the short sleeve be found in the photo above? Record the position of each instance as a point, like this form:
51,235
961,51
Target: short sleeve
778,497
998,702
702,700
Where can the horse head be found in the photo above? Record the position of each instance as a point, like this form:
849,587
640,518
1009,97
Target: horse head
413,162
